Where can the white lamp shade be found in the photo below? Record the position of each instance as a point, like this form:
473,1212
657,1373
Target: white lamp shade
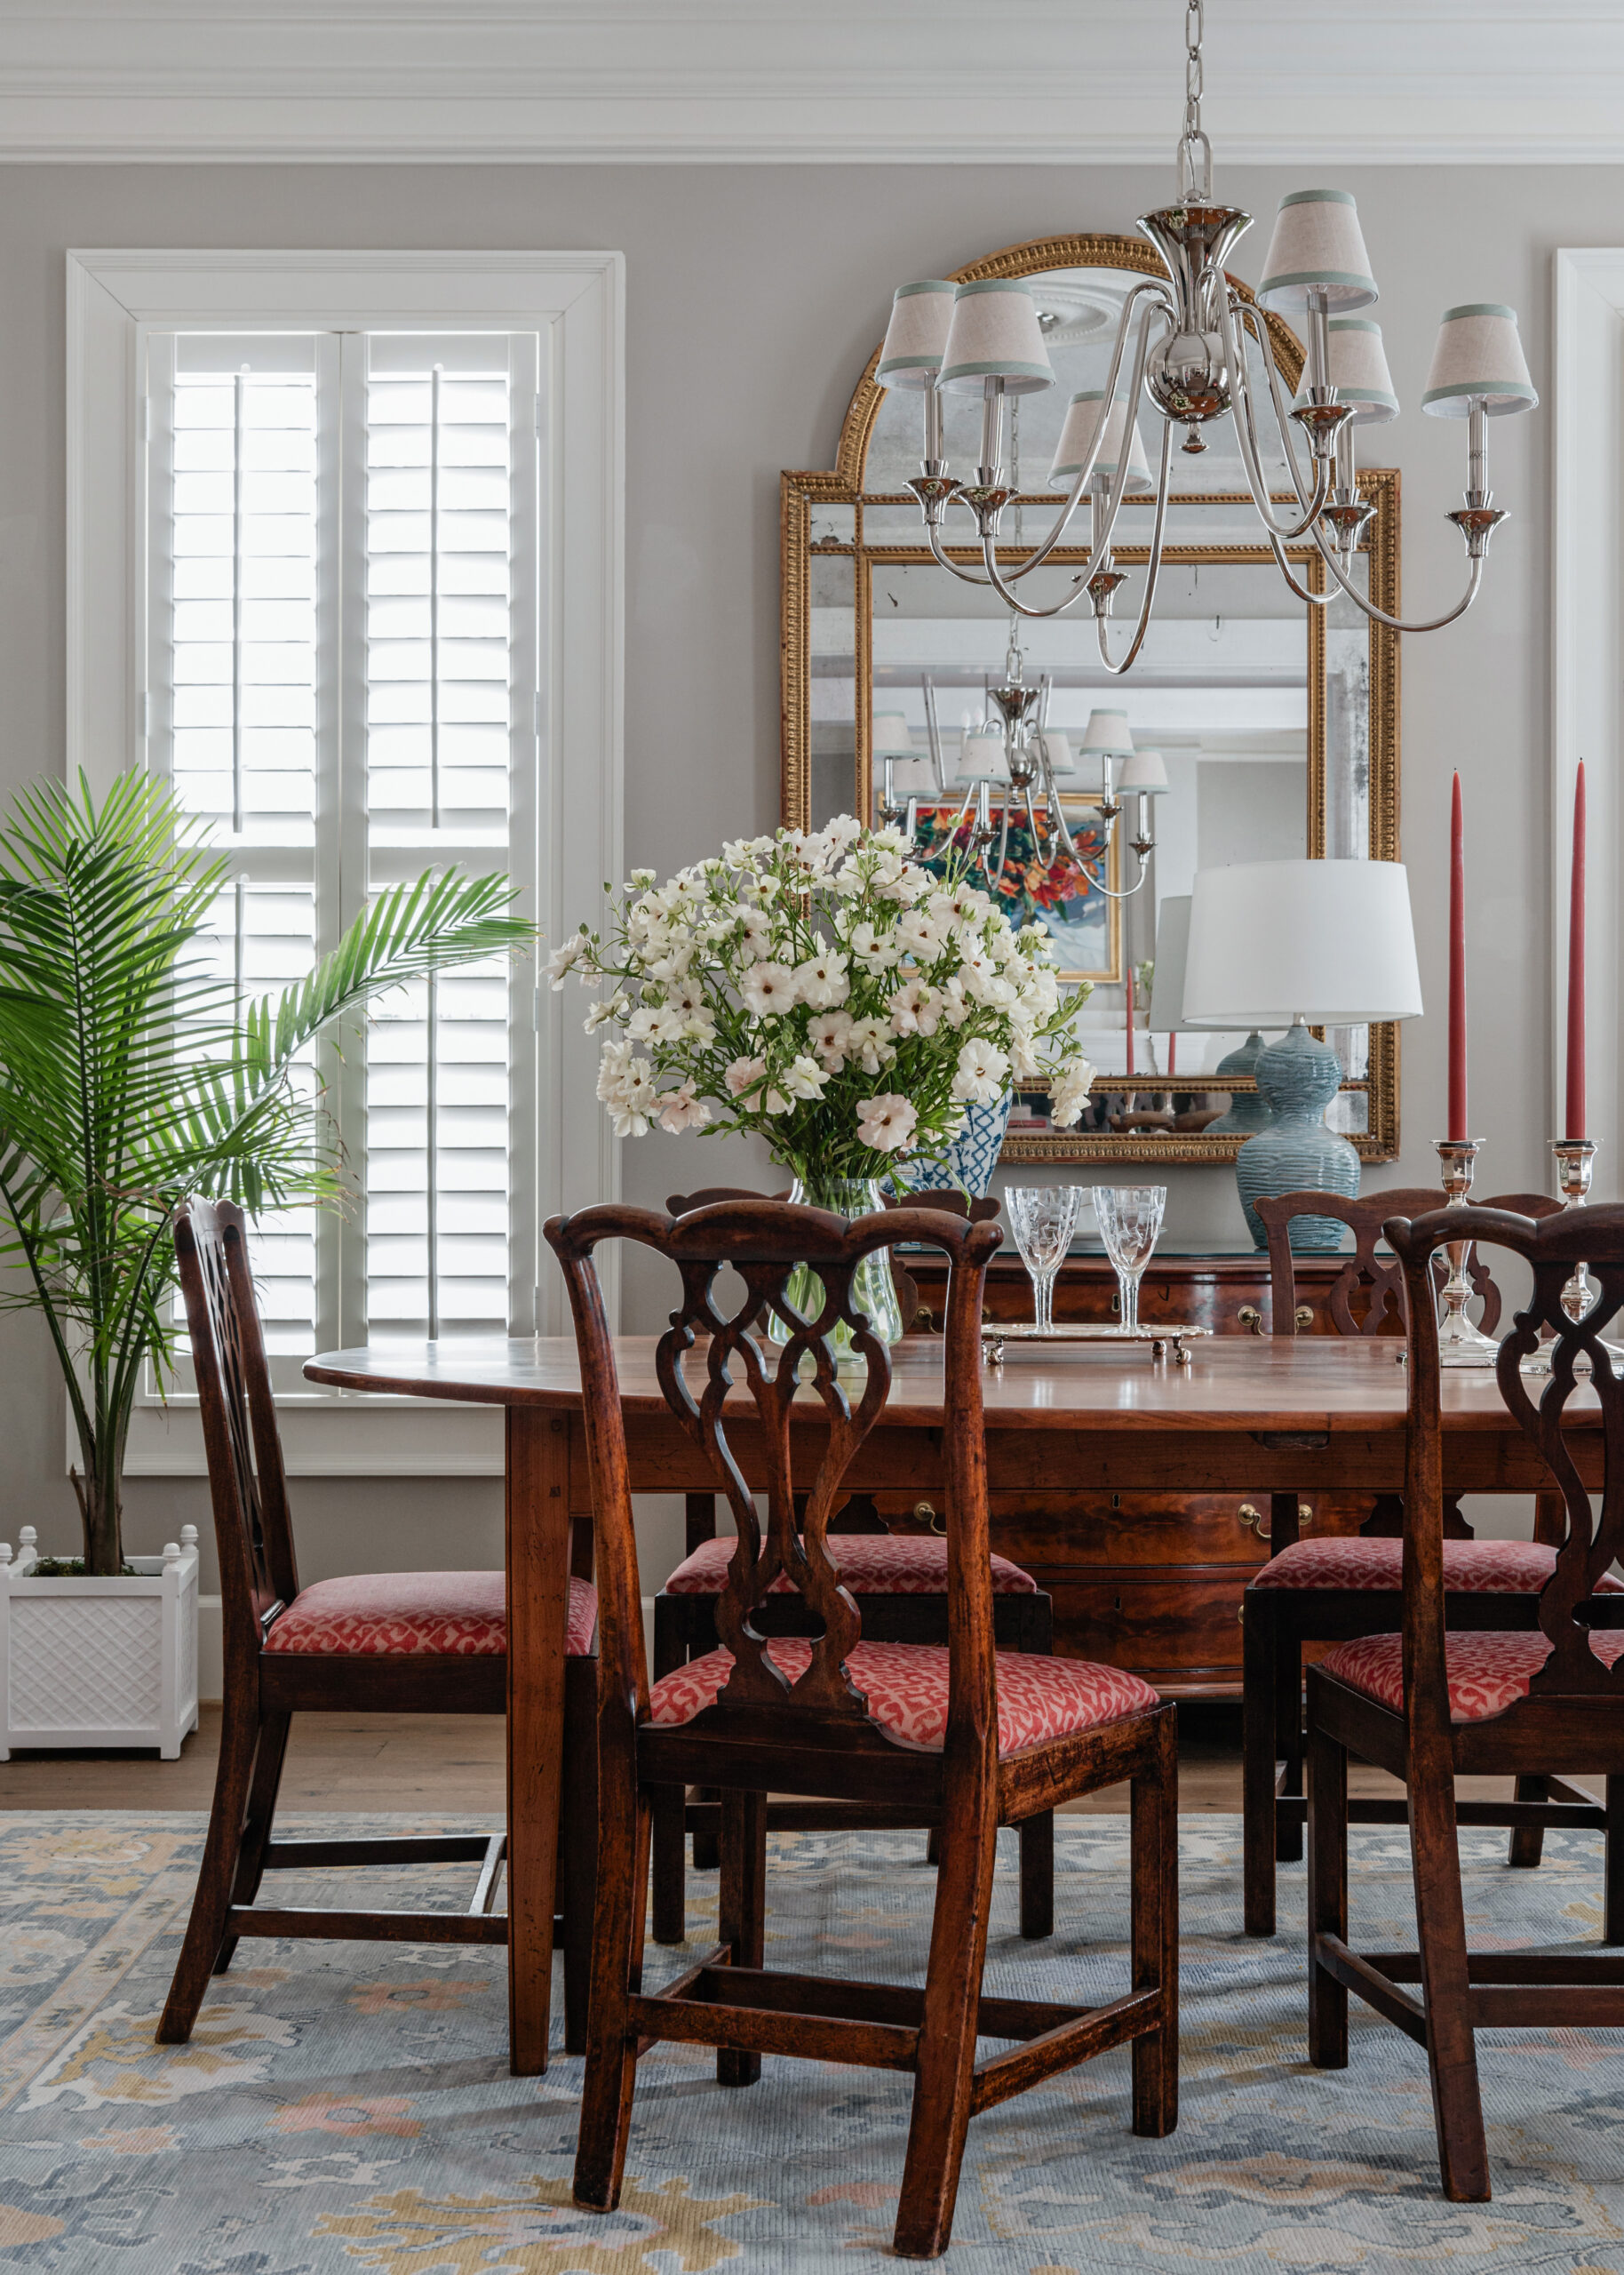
916,335
1145,773
1479,353
1166,1012
1107,736
1331,942
1317,246
1359,370
981,751
995,335
1071,453
1059,749
891,738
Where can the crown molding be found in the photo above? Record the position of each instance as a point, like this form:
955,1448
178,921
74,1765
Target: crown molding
1415,82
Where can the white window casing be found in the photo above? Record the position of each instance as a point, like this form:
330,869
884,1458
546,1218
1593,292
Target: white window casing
345,561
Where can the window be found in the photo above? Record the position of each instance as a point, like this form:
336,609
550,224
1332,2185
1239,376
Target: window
350,591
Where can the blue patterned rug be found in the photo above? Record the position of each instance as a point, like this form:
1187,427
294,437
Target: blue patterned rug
346,2110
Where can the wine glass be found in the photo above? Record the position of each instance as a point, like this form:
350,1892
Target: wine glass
1043,1218
1130,1216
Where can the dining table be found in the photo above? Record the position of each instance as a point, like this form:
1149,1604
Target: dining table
1282,1415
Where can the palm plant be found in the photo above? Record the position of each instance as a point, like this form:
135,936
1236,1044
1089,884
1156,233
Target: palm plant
132,1077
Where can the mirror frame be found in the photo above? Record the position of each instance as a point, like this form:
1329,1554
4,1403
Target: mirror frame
803,493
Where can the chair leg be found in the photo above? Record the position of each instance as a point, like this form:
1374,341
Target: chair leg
1612,1864
943,2081
1258,1756
1155,1838
205,1932
1451,2049
743,1921
1327,1785
611,2078
670,1802
1527,1844
933,1845
1037,1837
578,1844
257,1826
707,1848
1288,1734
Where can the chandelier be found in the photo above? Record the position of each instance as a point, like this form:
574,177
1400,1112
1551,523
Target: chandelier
1182,338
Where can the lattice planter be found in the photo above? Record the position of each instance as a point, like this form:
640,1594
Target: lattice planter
99,1663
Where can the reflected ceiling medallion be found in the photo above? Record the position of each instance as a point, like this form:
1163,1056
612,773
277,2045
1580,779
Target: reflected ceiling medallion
1182,340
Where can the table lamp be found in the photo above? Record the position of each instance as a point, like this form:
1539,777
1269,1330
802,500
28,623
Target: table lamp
1287,943
1246,1111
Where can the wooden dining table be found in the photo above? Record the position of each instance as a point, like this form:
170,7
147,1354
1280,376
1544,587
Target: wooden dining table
1280,1415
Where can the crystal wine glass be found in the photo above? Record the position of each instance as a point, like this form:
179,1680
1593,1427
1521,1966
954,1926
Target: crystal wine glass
1130,1218
1043,1218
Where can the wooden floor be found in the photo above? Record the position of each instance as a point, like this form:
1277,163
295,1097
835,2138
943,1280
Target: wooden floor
436,1763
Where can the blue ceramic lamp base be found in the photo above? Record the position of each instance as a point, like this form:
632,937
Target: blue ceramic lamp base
1297,1077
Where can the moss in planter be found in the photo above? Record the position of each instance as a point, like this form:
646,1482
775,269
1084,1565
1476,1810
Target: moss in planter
71,1567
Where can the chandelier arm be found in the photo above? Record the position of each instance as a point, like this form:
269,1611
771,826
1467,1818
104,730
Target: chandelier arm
1250,318
1068,845
1127,894
1314,600
1152,568
1099,539
995,876
965,576
1380,615
1245,434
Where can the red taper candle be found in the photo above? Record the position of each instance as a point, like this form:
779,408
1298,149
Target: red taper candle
1458,1117
1576,968
1130,1019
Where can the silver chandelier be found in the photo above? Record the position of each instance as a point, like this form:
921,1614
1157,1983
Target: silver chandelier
1183,339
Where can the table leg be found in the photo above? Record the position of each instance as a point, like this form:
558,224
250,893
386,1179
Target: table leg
537,1598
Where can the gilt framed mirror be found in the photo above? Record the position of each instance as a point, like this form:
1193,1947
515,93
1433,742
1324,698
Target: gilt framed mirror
1275,720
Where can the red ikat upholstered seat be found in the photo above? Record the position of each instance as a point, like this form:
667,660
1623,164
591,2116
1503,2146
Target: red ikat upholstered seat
870,1564
905,1685
451,1614
1487,1672
1471,1567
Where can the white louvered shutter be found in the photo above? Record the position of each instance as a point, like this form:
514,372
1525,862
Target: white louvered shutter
343,599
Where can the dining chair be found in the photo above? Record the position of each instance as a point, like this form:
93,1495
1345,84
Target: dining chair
974,1736
389,1642
1429,1703
1322,1592
902,1578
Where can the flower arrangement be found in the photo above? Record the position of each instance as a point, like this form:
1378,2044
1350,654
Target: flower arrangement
826,993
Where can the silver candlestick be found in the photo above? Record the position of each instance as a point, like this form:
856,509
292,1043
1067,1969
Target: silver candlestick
1461,1344
1575,1158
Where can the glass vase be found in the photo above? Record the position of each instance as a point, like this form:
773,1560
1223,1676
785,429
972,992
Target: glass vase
874,1291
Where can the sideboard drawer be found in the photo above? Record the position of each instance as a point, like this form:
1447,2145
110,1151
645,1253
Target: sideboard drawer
1180,1632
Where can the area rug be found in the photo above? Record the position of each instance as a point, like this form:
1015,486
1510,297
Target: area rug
346,2109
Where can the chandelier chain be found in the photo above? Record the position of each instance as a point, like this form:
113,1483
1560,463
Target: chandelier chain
1194,28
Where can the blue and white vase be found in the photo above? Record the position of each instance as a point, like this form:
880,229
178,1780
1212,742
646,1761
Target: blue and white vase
1298,1077
973,1155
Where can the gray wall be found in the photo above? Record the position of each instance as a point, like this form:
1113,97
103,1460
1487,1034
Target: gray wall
754,296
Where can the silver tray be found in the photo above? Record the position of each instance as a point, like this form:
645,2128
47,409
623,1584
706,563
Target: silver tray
996,1333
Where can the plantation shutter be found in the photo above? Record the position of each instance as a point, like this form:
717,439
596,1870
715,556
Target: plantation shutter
343,642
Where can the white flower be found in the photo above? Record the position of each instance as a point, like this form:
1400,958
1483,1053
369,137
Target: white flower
612,1007
612,1063
698,1026
631,1095
886,1123
889,840
768,989
868,1042
642,878
656,1023
875,951
680,1110
563,960
963,906
980,977
1070,1094
921,935
955,1009
826,1032
804,1078
842,831
915,1009
756,932
742,1074
981,1069
821,981
1024,1064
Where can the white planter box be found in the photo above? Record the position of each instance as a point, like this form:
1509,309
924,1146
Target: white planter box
99,1663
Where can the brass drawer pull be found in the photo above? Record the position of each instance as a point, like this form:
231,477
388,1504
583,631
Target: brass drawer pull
926,1514
1305,1317
1252,1518
1249,1317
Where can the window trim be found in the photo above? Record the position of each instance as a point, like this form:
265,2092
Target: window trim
577,300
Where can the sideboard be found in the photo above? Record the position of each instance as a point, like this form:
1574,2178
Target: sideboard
1152,1581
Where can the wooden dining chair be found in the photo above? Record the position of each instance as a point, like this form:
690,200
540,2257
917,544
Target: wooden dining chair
902,1578
976,1737
1324,1591
390,1642
1429,1703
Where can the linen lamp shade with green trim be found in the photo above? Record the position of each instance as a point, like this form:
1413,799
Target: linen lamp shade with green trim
995,335
1058,746
1358,370
1317,246
916,335
892,738
1145,774
981,752
1478,358
1107,736
1082,416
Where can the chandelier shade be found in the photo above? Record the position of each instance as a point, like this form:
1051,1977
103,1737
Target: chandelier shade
1071,451
1317,246
892,736
1059,749
1479,359
1330,942
981,752
1107,736
1145,773
1357,368
995,334
916,335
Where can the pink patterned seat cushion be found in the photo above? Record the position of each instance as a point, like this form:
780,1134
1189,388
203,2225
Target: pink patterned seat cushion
905,1685
1487,1673
870,1564
447,1615
1474,1567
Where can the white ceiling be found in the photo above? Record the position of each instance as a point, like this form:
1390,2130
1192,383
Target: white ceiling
990,81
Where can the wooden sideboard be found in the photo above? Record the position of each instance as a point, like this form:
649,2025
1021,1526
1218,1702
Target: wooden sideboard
1152,1581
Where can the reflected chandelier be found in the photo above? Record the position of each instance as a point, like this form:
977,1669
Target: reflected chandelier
1186,363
